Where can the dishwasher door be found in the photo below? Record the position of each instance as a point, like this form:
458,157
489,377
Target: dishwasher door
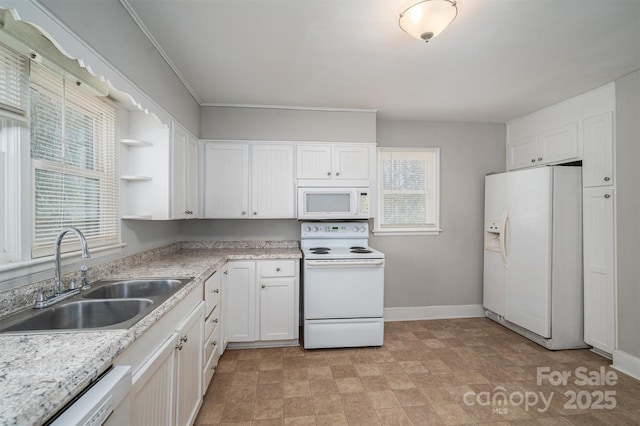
106,401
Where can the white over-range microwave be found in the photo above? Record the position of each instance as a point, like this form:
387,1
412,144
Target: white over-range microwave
333,203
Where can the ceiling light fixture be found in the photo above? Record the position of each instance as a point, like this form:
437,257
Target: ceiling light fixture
425,19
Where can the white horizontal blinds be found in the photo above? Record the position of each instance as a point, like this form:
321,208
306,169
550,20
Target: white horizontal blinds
14,78
73,153
407,189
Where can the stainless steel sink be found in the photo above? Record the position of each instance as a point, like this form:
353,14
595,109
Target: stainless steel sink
135,288
82,315
108,305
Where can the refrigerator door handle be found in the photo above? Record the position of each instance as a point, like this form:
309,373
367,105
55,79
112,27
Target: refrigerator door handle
503,238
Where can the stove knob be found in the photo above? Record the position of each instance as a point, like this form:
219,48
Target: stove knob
315,229
355,229
362,229
307,229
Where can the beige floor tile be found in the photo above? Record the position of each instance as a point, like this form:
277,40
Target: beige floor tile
300,421
327,404
210,414
393,417
399,381
337,419
383,399
452,414
355,402
235,412
295,389
343,370
298,407
323,387
271,364
242,378
270,391
242,394
321,372
423,415
410,397
365,417
270,376
268,409
367,370
374,383
413,367
268,422
349,385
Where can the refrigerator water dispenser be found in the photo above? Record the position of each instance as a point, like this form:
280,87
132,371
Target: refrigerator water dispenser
492,235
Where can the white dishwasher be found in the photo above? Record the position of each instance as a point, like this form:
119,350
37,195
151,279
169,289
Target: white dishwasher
104,402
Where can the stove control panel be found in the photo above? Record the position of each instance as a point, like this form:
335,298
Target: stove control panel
334,229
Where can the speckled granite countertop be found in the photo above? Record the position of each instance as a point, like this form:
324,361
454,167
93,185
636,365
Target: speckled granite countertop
40,373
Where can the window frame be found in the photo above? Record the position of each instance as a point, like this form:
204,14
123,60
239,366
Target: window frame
380,229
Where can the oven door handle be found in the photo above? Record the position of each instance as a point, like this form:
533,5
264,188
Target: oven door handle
350,264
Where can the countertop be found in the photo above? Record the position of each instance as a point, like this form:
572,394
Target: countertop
40,373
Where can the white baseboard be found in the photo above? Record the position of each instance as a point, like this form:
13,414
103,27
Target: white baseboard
433,312
626,363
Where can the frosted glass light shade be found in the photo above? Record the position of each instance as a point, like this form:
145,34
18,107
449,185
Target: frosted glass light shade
426,19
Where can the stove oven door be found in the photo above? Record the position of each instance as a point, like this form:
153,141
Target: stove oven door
343,289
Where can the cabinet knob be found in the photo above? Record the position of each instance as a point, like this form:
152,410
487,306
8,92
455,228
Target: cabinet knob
243,213
533,160
215,320
255,213
328,173
215,342
213,368
226,272
607,178
217,290
179,346
277,269
337,173
539,158
607,196
264,286
184,339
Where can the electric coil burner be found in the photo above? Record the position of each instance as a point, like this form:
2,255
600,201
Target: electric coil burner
343,286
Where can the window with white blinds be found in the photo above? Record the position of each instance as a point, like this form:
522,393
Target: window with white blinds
73,158
13,80
408,192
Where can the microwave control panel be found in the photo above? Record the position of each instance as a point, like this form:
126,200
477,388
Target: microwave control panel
363,205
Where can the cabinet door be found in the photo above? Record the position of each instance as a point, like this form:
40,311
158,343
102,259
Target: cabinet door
272,181
597,162
191,188
178,172
559,144
241,294
522,153
599,305
277,310
153,388
314,162
226,182
351,162
189,367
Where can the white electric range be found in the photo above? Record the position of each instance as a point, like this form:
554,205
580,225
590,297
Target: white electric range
343,286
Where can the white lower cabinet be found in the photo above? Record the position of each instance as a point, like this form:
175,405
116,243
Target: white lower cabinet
167,377
599,291
263,300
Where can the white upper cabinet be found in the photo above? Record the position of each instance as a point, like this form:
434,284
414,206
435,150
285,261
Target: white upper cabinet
335,164
272,183
560,144
226,180
598,150
246,180
184,188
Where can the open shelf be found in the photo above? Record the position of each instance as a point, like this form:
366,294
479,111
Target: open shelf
135,178
134,142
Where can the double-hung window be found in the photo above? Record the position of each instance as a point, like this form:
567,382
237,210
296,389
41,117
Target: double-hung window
408,191
73,160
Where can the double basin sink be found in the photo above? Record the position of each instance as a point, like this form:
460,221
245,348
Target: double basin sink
107,305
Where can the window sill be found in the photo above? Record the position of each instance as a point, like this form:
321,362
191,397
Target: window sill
16,274
405,232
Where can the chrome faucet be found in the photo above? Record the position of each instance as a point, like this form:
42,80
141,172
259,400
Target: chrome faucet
58,294
57,286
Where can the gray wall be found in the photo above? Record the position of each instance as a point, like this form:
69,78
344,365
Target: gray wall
628,211
277,124
445,269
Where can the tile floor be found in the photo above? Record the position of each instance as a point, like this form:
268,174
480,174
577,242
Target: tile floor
459,371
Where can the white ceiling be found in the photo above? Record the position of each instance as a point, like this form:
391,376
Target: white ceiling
498,60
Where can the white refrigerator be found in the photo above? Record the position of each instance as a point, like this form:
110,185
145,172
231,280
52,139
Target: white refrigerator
533,254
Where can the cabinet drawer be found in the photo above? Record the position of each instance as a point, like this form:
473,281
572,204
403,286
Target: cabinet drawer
277,268
211,322
211,346
209,369
212,289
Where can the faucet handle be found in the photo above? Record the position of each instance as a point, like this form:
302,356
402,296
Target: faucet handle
85,282
73,285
